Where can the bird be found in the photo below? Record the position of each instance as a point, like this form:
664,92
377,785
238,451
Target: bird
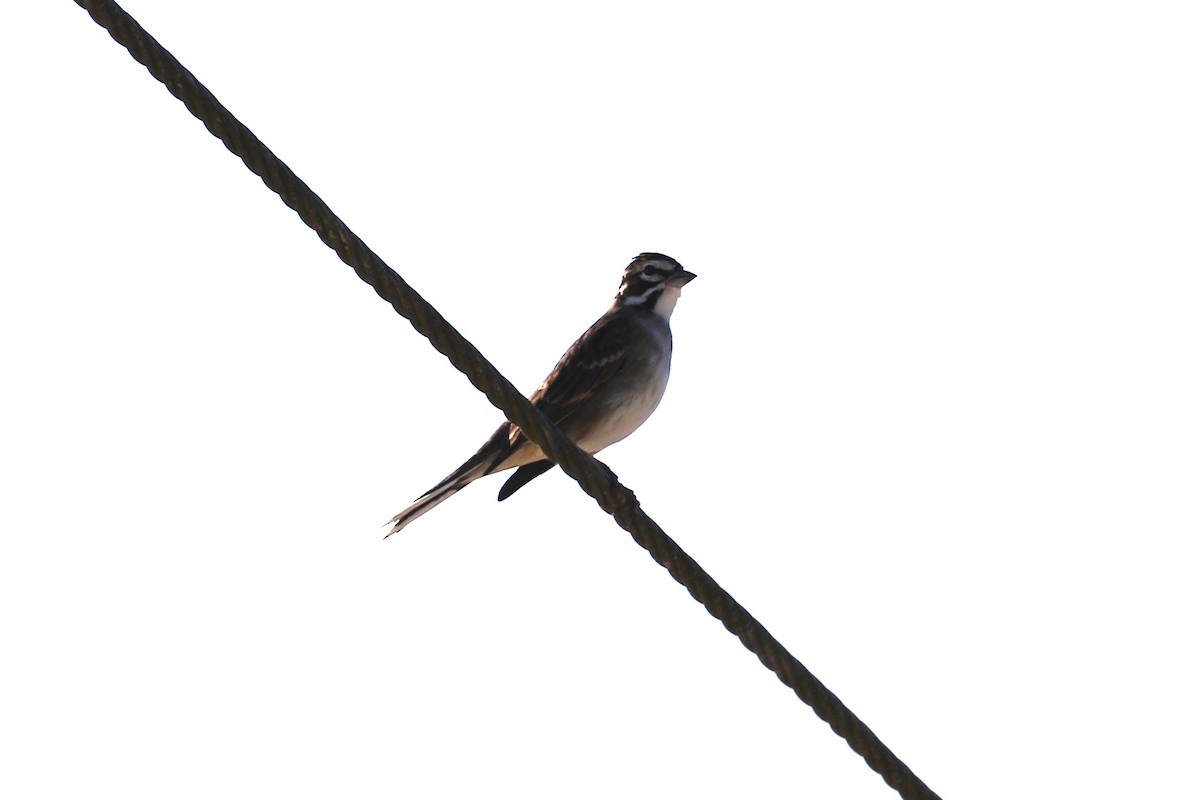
603,388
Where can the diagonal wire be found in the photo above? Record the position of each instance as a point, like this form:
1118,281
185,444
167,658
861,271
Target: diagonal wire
595,479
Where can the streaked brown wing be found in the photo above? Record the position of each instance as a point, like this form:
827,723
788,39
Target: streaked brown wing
594,359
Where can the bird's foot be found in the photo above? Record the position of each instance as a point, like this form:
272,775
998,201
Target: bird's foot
613,480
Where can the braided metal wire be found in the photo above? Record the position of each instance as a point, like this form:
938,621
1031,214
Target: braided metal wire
595,479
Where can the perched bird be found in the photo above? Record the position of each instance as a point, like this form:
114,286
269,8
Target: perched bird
603,388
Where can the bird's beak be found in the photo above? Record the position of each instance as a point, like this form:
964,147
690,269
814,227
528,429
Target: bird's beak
681,277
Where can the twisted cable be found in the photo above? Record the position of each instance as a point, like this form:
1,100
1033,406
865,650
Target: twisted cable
595,479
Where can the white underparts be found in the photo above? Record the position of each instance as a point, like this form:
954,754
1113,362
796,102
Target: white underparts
666,303
625,417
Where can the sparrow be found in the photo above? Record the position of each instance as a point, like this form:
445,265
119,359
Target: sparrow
602,389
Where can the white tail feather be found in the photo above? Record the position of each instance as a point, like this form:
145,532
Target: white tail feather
425,503
461,477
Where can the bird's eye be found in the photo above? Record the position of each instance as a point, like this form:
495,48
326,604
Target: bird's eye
650,271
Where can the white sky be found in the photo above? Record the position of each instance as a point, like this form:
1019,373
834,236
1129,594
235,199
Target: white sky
933,416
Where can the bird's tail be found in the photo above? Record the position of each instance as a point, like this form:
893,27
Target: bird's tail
425,502
475,467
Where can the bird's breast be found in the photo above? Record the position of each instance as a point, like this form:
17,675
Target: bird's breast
633,399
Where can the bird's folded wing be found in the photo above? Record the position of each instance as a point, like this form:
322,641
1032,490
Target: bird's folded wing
590,364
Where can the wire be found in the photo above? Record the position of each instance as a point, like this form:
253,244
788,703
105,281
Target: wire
594,477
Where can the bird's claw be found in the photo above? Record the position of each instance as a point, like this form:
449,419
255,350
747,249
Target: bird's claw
613,480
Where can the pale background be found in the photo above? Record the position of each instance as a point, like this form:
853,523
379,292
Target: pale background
933,417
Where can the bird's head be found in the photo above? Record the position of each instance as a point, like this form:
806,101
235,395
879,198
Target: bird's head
653,281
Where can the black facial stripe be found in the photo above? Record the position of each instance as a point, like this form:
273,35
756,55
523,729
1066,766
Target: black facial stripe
648,274
645,280
639,295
